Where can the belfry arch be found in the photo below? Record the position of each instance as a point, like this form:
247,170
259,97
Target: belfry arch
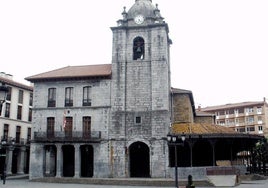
139,160
138,48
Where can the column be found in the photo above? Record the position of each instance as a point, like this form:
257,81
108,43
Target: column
21,160
77,159
47,160
59,161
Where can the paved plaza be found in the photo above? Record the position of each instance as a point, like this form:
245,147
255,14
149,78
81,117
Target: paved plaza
25,183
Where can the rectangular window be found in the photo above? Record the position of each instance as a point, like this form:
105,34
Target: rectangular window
50,127
18,132
87,96
8,98
87,127
236,111
51,97
7,110
20,96
29,134
31,99
68,127
137,120
19,112
250,119
30,114
259,110
68,96
6,129
250,129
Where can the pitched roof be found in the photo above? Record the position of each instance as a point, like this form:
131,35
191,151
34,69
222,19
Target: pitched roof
200,128
233,105
74,72
16,84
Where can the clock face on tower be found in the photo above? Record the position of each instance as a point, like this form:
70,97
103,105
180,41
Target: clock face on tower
139,19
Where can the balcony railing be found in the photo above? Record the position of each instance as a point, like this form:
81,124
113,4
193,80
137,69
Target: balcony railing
61,136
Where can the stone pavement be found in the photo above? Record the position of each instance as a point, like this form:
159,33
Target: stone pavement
25,183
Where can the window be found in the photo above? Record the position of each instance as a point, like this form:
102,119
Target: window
69,96
18,131
8,98
241,130
250,119
249,110
31,99
6,128
50,127
68,127
250,129
20,96
87,96
259,119
29,134
7,110
259,110
51,97
138,48
19,112
30,114
236,111
87,127
137,120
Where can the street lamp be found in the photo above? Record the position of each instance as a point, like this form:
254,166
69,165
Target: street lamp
175,141
3,94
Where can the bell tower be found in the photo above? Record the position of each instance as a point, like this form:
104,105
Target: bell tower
140,99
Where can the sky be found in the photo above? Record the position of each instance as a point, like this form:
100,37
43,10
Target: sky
219,50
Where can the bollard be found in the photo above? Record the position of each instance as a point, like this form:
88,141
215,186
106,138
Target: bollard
190,182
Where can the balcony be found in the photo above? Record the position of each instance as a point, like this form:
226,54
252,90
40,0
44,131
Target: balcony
61,136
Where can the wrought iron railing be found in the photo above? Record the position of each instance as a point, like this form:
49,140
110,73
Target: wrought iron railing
62,136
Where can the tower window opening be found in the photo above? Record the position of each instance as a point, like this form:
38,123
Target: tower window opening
138,48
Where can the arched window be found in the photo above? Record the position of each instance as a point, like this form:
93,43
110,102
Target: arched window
138,48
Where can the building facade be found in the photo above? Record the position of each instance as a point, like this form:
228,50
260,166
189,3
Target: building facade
245,117
108,120
15,120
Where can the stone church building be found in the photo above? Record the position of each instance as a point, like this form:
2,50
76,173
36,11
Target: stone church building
108,120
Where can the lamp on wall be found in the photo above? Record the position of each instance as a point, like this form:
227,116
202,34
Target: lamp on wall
3,94
174,140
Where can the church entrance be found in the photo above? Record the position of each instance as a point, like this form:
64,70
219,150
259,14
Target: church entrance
139,156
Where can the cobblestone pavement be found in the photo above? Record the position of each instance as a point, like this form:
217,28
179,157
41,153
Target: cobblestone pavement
25,183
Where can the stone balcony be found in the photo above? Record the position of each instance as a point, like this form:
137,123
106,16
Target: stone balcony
71,136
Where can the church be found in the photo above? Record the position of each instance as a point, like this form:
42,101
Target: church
108,120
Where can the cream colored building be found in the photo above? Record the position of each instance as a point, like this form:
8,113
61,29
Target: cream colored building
15,126
245,117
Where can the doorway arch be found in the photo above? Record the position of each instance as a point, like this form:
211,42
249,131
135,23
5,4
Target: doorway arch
139,159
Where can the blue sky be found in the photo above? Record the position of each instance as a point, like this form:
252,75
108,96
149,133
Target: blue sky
219,51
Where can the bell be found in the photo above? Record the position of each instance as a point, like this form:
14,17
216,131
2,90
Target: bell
138,49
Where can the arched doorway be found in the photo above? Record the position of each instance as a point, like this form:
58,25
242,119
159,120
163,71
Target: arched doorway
139,159
87,161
